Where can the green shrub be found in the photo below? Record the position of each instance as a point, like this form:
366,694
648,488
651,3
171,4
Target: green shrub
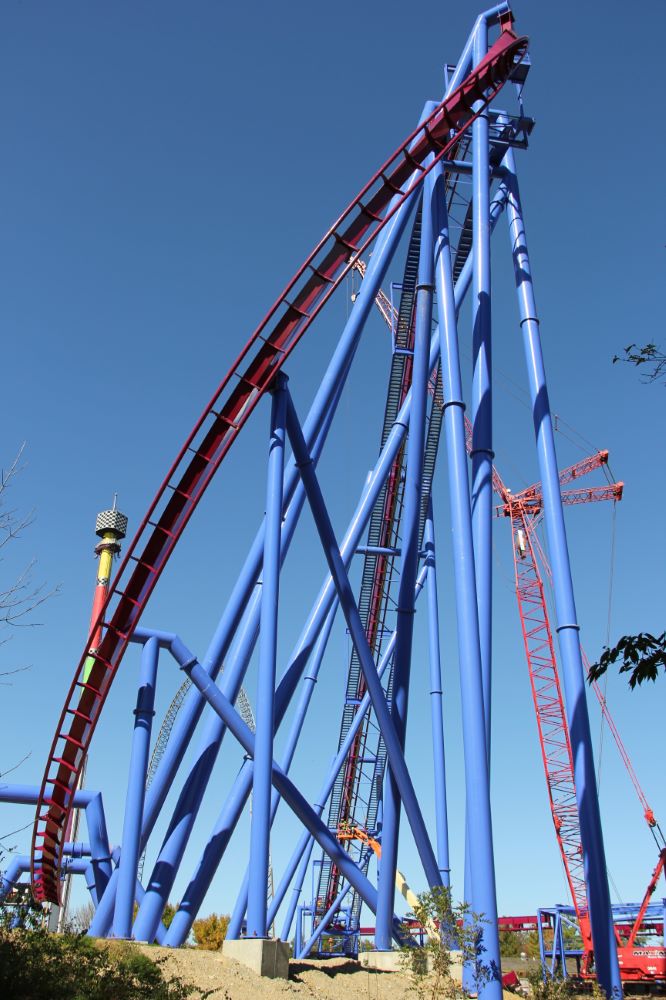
210,932
35,965
549,987
453,931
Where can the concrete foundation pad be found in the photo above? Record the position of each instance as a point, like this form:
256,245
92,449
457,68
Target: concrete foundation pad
383,961
266,956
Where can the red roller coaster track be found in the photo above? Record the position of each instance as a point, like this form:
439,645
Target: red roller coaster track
223,418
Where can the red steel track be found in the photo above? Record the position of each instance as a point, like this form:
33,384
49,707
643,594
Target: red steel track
249,379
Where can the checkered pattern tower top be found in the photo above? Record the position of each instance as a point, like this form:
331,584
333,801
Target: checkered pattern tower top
111,520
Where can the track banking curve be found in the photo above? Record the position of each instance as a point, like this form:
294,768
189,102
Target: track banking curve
246,382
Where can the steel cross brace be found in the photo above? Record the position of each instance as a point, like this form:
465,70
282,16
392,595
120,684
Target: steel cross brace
349,607
287,789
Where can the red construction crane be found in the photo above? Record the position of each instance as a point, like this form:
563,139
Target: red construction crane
525,509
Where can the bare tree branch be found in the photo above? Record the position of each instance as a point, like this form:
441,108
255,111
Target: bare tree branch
3,774
20,599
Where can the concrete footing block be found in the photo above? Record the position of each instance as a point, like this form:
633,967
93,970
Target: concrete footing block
266,956
382,961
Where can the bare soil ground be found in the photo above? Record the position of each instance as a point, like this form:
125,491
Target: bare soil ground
332,979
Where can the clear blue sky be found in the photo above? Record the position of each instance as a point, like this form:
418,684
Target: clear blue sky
165,168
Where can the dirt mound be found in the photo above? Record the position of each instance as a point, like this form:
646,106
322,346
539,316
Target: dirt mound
333,979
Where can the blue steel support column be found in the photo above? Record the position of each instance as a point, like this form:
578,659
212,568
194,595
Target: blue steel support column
239,656
301,855
481,454
307,691
231,812
263,744
227,820
100,858
327,395
305,949
482,418
601,919
349,608
136,790
439,759
288,790
408,569
479,831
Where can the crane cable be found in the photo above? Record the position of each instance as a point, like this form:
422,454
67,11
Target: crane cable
602,727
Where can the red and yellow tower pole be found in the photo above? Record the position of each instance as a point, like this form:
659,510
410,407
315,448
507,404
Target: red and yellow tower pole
111,528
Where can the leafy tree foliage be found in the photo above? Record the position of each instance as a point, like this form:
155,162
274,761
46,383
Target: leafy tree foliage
649,355
210,932
641,656
455,935
36,965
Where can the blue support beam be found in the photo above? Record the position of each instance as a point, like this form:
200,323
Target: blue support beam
479,831
482,417
136,790
350,610
300,857
436,707
413,488
573,674
263,746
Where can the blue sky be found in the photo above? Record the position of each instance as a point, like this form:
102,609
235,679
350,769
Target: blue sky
165,169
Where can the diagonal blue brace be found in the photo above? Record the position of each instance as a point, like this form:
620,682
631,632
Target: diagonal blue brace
285,786
354,624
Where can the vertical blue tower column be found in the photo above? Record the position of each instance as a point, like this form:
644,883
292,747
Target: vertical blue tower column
136,791
601,919
408,572
439,760
263,752
482,418
479,826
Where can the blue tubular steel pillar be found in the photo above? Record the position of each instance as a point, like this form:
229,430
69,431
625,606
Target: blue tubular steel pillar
301,852
305,949
288,790
408,569
228,818
359,639
601,919
479,829
307,690
136,790
193,791
263,744
321,410
482,417
439,760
